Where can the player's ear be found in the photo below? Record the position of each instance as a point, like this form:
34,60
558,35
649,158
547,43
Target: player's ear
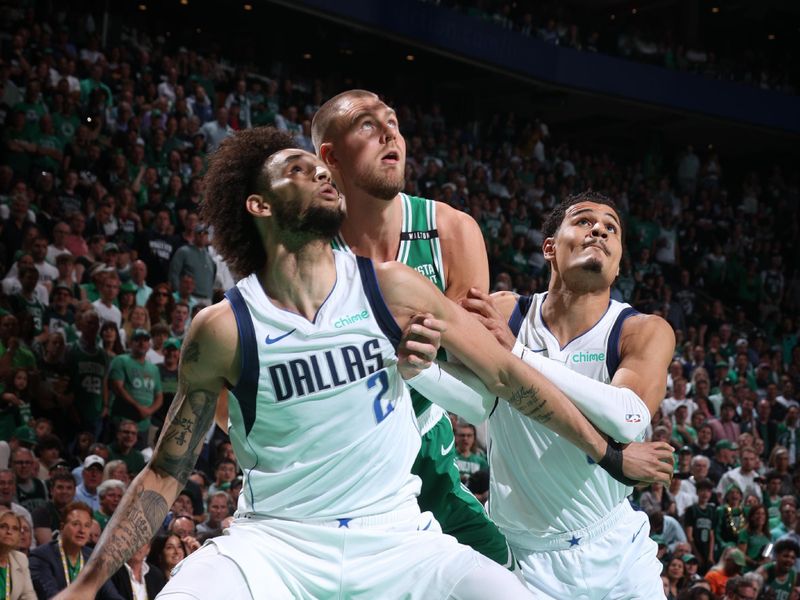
258,206
549,248
327,155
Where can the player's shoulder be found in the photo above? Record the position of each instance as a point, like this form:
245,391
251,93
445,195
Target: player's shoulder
644,330
211,345
449,218
647,323
215,321
505,302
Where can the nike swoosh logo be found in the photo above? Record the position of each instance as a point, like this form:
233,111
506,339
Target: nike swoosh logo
446,451
270,340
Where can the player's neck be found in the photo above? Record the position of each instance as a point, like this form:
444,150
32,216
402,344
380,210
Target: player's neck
372,227
569,314
299,281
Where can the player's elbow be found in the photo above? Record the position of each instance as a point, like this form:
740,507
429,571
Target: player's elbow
631,422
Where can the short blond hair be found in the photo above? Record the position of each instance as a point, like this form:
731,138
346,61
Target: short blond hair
324,123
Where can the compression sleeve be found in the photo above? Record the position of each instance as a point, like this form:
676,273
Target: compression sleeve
456,389
616,411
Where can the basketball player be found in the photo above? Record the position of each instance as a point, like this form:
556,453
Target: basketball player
358,138
568,523
322,423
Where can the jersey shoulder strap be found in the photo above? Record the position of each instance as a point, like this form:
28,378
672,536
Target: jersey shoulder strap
420,246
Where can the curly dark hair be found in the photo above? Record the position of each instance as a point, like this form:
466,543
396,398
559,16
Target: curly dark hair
556,217
235,171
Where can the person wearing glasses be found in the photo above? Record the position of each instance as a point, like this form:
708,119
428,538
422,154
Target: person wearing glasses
15,575
31,491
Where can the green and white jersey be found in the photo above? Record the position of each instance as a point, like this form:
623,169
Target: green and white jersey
87,371
782,588
420,249
320,419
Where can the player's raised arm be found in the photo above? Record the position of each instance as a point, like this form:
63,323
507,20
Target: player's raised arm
207,361
527,390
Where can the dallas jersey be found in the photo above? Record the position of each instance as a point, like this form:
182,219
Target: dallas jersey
420,249
542,485
322,422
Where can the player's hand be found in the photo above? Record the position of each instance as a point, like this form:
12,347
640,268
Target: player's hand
648,462
419,345
482,307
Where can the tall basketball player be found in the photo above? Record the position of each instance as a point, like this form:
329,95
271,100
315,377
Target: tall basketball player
322,423
569,524
359,139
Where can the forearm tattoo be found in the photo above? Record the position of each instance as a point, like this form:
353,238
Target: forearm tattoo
187,422
142,511
529,402
134,523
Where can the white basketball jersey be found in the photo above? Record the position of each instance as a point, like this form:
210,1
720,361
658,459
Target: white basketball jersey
541,484
322,423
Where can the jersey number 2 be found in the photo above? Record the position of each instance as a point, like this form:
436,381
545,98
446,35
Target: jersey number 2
380,379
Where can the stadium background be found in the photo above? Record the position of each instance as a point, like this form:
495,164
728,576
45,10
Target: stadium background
685,113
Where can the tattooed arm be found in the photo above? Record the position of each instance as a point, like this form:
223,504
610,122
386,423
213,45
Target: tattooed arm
208,360
408,294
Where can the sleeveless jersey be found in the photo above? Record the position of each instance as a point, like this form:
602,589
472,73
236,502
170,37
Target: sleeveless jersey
781,589
542,485
322,422
420,249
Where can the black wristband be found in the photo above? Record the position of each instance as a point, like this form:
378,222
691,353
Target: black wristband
612,463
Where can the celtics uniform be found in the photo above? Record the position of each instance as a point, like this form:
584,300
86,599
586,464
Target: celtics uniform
457,510
87,370
781,587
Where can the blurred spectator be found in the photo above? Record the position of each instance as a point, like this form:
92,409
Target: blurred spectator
730,564
166,551
219,507
31,491
91,476
8,490
755,539
17,576
136,385
87,365
47,518
56,564
216,131
743,476
138,578
110,493
468,460
194,258
123,448
780,576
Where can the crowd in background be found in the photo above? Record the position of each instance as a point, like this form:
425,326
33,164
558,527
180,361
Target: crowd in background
104,263
632,33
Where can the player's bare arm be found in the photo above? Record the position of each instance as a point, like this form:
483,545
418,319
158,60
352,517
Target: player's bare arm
466,264
646,347
622,408
408,294
208,360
